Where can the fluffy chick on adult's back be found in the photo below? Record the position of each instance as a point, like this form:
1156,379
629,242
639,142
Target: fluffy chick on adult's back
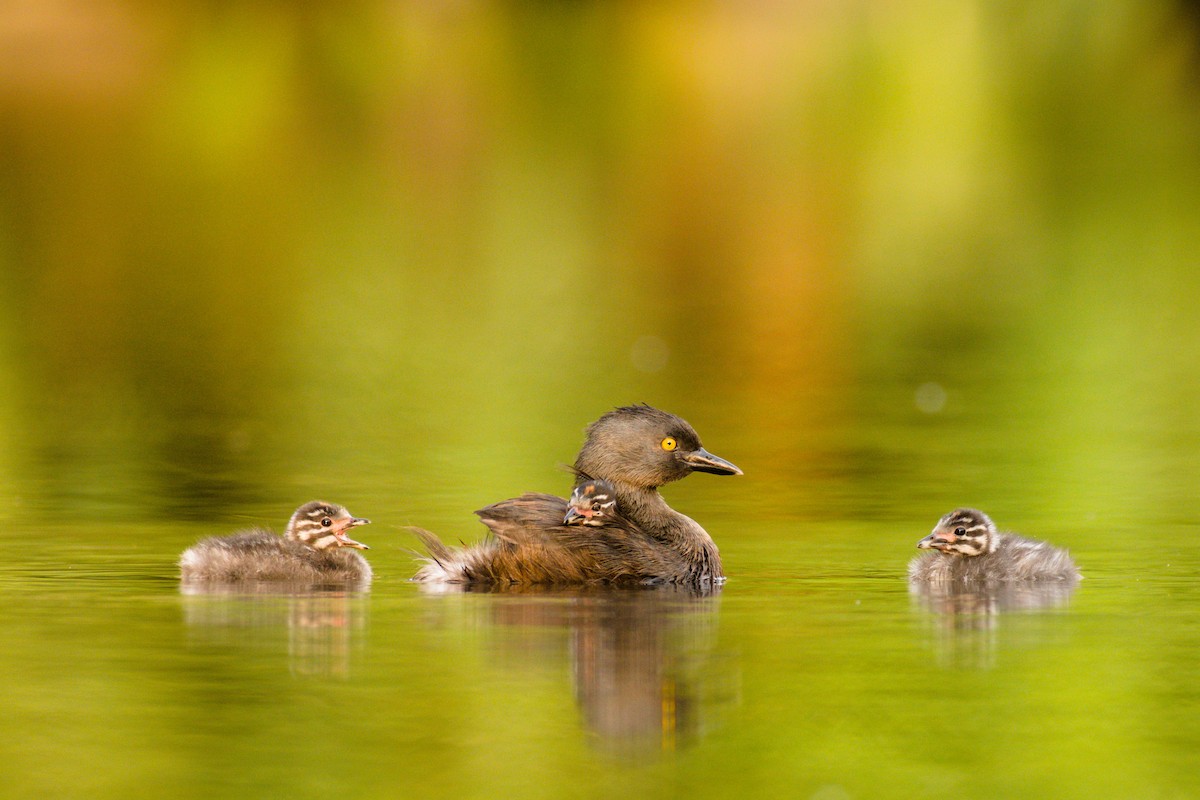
635,449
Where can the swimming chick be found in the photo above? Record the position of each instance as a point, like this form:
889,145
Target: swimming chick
313,549
538,538
969,548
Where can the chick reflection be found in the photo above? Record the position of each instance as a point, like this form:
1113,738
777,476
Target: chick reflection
318,629
646,675
967,614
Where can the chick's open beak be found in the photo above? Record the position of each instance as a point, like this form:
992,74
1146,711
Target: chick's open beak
344,540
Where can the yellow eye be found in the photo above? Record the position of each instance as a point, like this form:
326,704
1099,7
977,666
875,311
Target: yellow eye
669,444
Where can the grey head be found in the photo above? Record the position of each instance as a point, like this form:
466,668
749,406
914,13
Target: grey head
963,532
593,503
322,525
645,447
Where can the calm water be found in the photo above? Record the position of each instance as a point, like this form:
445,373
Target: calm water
888,259
813,672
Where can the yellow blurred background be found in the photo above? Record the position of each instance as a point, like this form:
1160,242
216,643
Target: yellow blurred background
409,248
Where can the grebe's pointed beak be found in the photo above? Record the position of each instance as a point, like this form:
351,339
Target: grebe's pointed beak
703,461
572,515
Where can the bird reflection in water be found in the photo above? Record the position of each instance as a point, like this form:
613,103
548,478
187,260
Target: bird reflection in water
323,627
967,615
647,674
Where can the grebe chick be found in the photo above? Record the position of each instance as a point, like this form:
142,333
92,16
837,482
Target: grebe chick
313,549
969,548
633,450
593,503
